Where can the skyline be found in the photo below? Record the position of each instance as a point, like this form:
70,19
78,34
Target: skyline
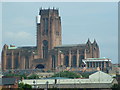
77,26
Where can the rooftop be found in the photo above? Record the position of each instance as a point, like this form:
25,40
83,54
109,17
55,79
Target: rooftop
97,58
25,47
71,45
12,47
8,81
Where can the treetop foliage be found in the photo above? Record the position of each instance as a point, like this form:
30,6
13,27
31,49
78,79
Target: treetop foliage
67,74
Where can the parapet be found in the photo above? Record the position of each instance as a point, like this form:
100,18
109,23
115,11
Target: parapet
49,11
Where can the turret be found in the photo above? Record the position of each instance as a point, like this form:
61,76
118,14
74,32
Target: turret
3,58
5,47
38,18
95,43
88,42
95,49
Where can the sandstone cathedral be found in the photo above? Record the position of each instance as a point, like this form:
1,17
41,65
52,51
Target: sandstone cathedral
49,52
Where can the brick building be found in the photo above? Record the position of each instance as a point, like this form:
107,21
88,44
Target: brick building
49,52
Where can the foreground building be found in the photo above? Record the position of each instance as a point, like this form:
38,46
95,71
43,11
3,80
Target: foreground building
96,80
49,52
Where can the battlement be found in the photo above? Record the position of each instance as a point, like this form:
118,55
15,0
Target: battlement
49,11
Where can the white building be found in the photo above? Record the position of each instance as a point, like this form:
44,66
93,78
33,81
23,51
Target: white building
96,80
103,63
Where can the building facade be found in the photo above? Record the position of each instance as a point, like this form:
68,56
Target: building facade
103,64
49,52
99,79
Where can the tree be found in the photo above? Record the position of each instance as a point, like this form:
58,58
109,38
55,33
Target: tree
67,74
115,87
23,86
33,76
85,75
27,86
20,85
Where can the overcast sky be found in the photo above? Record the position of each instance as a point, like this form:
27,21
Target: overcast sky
80,21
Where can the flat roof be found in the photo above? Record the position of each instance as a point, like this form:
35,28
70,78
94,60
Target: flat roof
96,58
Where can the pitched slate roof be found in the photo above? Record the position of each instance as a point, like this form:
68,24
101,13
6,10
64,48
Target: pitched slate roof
71,45
8,81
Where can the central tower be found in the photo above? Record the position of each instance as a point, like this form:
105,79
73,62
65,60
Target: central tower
48,31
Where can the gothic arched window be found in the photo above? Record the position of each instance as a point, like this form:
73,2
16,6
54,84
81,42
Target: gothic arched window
45,48
66,61
74,61
80,60
53,61
16,63
45,25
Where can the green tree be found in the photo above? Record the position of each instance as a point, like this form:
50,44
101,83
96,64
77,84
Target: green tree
115,87
20,85
33,76
67,74
85,75
27,86
23,86
49,71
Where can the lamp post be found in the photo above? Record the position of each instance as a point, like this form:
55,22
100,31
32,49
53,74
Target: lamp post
34,83
47,85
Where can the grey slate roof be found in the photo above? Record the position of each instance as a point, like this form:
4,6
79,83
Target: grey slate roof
28,47
71,45
8,81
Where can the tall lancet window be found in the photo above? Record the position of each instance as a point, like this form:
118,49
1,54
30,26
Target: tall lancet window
66,61
45,48
45,20
53,61
74,61
56,26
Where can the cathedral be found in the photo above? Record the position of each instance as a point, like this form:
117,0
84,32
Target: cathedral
49,53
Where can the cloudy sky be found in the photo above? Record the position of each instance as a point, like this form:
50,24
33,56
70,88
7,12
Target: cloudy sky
80,21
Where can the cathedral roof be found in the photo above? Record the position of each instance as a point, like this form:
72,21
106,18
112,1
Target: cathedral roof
27,47
71,45
12,47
